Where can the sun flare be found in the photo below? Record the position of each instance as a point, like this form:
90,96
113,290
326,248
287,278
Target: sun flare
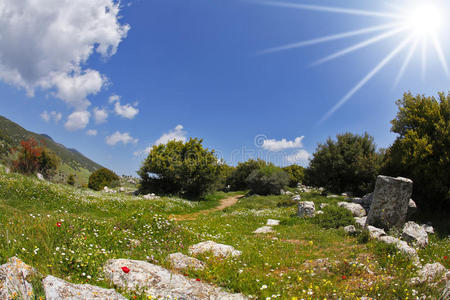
424,19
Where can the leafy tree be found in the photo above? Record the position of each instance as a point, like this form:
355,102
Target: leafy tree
5,147
101,178
296,174
421,152
349,164
239,176
180,168
48,163
28,155
71,179
267,180
225,172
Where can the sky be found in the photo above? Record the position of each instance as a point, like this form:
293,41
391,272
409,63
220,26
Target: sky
113,79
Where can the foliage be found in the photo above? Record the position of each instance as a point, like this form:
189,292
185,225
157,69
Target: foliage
180,168
5,147
334,217
223,180
28,157
71,179
268,180
363,236
296,174
421,152
101,178
48,163
239,176
349,164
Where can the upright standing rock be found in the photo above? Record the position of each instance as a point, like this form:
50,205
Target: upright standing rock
390,202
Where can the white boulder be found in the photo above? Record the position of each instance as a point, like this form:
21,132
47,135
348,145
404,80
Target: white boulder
361,221
429,273
356,209
218,250
179,261
14,282
263,230
306,209
272,222
415,234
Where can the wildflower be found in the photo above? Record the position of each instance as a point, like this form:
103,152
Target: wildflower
264,287
344,277
197,279
445,257
58,224
125,269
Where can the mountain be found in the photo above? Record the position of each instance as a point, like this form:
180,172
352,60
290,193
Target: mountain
72,161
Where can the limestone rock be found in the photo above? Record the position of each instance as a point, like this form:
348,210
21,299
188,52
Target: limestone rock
428,228
412,208
429,273
272,222
56,289
306,209
218,250
151,196
365,201
350,229
445,295
408,251
121,189
361,221
160,283
108,190
390,202
375,232
179,261
14,282
296,198
289,193
416,234
40,176
319,212
264,229
356,209
322,205
388,239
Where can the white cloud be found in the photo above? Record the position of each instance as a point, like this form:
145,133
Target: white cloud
91,132
274,145
113,98
177,134
126,111
118,137
100,115
77,120
53,115
299,157
45,44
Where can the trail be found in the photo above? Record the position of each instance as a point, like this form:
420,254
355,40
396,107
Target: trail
224,203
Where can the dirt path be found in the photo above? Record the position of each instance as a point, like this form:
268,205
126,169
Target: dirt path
224,203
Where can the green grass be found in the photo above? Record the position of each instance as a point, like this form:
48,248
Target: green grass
97,226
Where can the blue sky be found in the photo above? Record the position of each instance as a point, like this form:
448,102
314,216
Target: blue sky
181,68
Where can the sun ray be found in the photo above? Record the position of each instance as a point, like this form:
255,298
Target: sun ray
329,9
366,79
329,38
405,64
359,46
438,48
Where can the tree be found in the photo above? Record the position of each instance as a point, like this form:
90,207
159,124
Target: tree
71,179
296,174
48,163
267,180
28,155
238,178
349,164
101,178
186,169
421,152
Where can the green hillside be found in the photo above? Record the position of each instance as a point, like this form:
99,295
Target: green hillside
72,161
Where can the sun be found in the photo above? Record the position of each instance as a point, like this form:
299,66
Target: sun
424,19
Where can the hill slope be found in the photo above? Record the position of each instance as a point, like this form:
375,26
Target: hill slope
72,160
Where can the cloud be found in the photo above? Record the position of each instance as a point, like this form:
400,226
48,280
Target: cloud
91,132
274,145
126,111
45,45
113,98
100,115
53,115
77,120
118,137
177,134
299,157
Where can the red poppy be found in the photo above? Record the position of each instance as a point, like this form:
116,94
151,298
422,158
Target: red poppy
125,269
445,257
197,279
58,224
344,277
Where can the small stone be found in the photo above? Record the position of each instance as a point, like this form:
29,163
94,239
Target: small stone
179,261
388,239
306,209
350,229
218,250
263,230
428,228
40,176
408,251
319,212
121,189
416,234
272,222
361,221
375,232
323,205
412,208
356,209
296,198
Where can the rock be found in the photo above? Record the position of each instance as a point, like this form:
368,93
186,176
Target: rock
361,221
14,280
344,195
218,250
121,189
332,196
390,202
375,232
366,201
388,239
108,190
56,289
282,192
428,228
264,229
429,273
408,251
272,222
356,209
416,234
350,229
289,193
151,196
412,208
7,170
306,209
160,283
319,212
445,295
322,205
40,176
296,198
180,261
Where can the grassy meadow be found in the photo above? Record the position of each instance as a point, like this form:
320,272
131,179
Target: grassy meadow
70,233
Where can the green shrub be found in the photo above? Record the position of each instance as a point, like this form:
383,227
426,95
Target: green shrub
71,179
186,169
363,237
101,178
286,203
296,174
334,217
268,180
238,177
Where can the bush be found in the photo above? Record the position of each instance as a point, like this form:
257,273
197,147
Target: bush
71,179
267,180
334,217
421,152
238,178
48,163
101,178
349,164
296,174
363,237
185,169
